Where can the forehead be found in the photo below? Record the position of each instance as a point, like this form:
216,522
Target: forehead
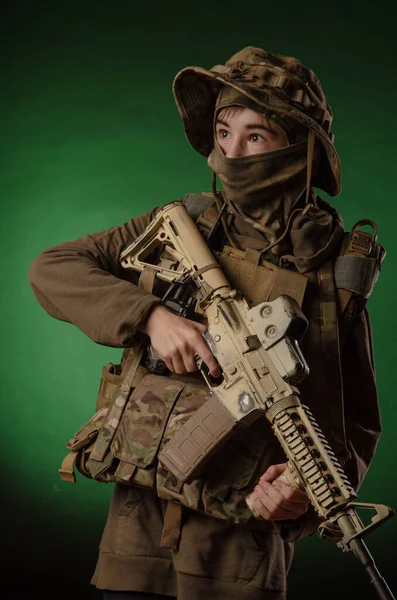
233,115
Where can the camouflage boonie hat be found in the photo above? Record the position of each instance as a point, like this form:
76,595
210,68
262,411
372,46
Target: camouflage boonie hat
274,82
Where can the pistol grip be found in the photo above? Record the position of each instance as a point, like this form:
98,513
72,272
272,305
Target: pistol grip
193,443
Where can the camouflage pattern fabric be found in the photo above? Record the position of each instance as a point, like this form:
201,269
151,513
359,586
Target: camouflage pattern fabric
142,428
145,418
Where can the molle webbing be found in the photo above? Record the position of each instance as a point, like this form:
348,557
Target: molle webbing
260,282
120,397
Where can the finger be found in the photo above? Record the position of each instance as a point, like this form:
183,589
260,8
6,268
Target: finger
261,509
166,358
190,362
206,355
273,472
276,513
294,509
198,326
178,364
290,493
169,364
269,509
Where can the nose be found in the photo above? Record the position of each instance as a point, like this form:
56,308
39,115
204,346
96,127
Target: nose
235,148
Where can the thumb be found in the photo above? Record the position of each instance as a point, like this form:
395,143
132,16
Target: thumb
273,472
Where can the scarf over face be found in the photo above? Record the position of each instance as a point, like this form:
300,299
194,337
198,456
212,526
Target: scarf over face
262,190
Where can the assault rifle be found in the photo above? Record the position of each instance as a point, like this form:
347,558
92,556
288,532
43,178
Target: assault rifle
258,351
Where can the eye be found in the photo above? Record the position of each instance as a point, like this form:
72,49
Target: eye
255,137
222,133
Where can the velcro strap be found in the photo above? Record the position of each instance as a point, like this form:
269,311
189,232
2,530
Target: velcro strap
253,256
356,273
116,409
78,442
66,470
96,468
196,204
125,471
132,370
172,526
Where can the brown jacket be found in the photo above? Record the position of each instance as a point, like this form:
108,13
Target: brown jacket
82,282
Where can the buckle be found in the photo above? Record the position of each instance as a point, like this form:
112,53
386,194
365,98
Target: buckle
361,241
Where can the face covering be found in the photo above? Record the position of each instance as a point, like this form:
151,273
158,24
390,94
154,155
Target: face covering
261,190
251,181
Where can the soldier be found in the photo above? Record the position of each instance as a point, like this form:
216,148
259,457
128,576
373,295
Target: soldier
264,124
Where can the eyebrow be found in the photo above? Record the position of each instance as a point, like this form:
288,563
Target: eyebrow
250,126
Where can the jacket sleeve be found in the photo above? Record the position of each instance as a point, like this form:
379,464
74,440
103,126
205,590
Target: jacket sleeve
361,412
82,282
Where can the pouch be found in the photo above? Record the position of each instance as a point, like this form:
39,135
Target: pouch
156,407
154,411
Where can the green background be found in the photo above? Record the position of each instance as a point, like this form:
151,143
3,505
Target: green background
90,138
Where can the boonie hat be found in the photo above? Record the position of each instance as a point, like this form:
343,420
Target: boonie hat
276,83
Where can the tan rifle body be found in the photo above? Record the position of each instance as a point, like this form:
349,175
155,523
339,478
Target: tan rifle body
258,356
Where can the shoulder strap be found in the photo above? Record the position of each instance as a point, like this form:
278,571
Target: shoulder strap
197,204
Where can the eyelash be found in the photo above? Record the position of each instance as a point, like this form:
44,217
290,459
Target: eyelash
222,131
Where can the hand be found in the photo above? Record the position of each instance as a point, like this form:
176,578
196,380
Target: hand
275,500
177,340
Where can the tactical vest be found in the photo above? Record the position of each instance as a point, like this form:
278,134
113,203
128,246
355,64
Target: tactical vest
138,412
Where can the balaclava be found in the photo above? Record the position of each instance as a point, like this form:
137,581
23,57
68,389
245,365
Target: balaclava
262,189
